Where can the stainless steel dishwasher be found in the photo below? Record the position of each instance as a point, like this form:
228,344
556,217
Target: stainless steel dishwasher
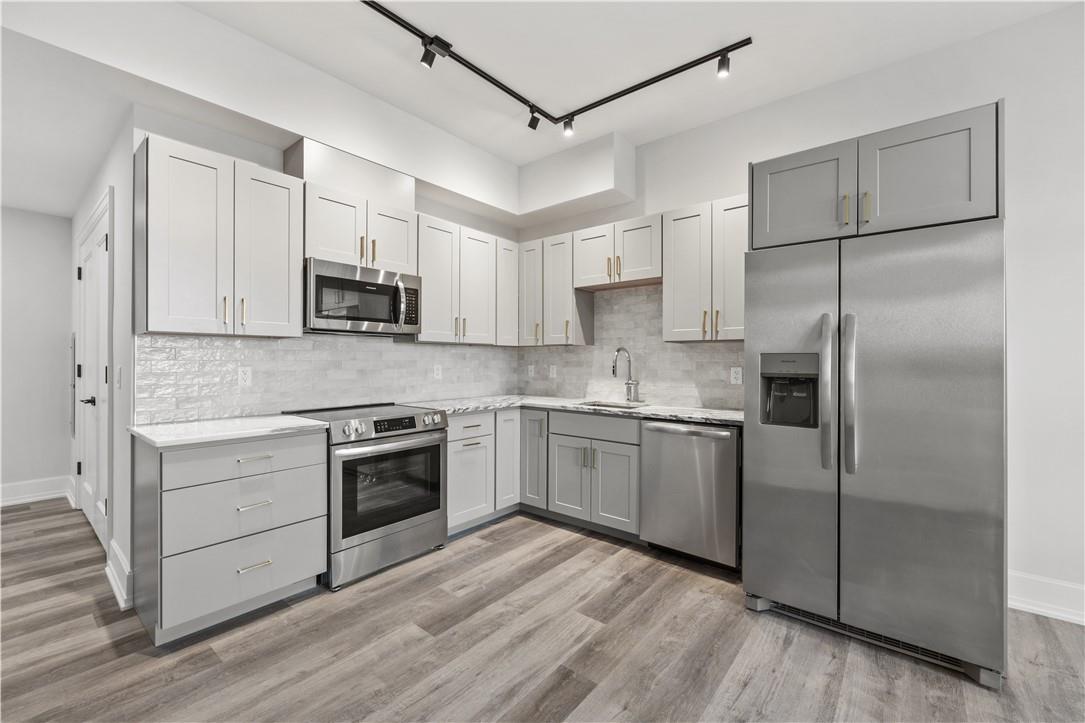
689,494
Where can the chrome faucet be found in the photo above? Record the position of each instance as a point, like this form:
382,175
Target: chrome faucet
632,386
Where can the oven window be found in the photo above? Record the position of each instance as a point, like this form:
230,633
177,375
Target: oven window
388,488
353,300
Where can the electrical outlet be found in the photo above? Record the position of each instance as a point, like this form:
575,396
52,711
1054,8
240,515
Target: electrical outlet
736,375
244,376
531,370
436,371
553,371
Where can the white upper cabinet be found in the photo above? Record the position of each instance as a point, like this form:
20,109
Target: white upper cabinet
439,267
730,233
507,271
568,314
638,249
267,252
393,239
478,254
531,293
593,256
687,273
935,171
335,225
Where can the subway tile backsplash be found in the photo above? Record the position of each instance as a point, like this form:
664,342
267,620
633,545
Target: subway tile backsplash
182,378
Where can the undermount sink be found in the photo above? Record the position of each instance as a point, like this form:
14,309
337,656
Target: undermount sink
613,405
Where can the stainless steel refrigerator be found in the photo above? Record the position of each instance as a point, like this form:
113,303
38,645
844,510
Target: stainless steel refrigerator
874,493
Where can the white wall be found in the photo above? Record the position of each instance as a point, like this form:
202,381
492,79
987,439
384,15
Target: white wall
36,258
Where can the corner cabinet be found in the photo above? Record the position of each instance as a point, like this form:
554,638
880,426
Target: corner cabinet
217,244
531,293
568,313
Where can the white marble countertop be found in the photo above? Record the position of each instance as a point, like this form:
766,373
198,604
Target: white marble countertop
648,411
176,434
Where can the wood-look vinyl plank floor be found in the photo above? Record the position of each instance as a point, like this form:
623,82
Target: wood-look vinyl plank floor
524,620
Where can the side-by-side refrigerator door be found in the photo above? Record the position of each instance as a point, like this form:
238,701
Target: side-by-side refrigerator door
789,492
922,486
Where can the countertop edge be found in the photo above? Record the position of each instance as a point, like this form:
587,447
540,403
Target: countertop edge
179,439
657,412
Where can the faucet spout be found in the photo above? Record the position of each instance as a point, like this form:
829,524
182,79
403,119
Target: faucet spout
628,358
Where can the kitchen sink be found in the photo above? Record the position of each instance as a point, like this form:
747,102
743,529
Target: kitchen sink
613,405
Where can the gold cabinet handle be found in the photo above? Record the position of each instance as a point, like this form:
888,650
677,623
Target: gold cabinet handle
566,329
847,209
373,251
244,312
536,332
704,323
866,206
456,333
464,328
717,324
226,310
618,266
608,267
594,458
361,247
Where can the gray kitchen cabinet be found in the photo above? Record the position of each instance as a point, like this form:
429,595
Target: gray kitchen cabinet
506,458
687,273
730,235
470,480
533,458
531,293
507,273
936,171
335,225
615,485
568,313
804,196
393,239
570,476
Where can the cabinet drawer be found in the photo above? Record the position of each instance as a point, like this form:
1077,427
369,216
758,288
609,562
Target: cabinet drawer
466,426
595,426
207,580
198,465
208,514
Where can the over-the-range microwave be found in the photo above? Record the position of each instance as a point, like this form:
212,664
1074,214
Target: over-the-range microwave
349,299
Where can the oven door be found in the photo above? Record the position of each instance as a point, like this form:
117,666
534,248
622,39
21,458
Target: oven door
384,486
347,298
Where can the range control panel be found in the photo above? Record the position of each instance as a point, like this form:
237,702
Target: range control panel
399,424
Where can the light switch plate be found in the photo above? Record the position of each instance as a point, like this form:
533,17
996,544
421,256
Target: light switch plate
736,375
244,376
553,371
436,371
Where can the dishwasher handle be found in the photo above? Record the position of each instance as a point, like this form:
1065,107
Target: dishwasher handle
687,429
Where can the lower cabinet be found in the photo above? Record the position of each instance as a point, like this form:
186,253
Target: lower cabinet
595,480
533,458
507,458
470,480
570,476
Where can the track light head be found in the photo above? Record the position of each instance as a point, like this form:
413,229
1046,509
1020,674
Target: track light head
723,67
428,56
432,47
533,121
568,127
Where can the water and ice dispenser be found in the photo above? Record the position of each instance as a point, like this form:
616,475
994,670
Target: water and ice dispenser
789,389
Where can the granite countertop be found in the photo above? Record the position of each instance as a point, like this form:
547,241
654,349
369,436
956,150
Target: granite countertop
649,411
177,434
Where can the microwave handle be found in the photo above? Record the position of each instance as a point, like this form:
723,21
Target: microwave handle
402,304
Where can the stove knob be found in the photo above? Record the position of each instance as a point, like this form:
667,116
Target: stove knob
347,430
359,427
426,419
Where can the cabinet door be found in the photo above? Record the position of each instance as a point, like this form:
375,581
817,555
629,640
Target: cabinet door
570,476
593,256
533,458
615,485
531,293
687,273
439,267
478,289
190,239
806,196
267,251
507,270
730,228
936,171
638,248
470,480
393,239
507,458
334,225
558,289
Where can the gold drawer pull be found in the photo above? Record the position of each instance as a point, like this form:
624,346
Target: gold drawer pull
608,267
373,251
704,323
618,265
250,568
361,247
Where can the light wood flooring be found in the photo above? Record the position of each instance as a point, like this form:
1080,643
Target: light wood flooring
523,620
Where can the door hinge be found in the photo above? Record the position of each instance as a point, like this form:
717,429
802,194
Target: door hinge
107,242
78,468
78,371
78,273
107,374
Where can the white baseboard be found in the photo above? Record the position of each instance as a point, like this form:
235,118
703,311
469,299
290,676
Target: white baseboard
33,490
119,574
1047,596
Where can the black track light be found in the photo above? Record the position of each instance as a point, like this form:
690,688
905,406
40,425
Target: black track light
533,121
568,131
432,47
428,56
723,67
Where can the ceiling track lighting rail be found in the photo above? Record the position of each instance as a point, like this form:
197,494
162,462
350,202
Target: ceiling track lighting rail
434,45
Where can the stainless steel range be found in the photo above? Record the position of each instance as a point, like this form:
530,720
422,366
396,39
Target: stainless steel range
387,469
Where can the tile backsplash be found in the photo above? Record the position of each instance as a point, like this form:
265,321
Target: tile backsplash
182,378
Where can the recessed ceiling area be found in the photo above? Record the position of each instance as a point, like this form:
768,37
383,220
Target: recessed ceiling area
563,55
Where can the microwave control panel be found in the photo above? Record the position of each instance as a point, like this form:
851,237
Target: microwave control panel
398,424
411,316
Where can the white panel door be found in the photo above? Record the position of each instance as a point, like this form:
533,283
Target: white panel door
558,317
615,485
190,239
470,480
507,270
478,289
439,267
267,251
593,256
570,476
335,225
638,248
92,356
507,458
393,239
687,273
730,231
531,293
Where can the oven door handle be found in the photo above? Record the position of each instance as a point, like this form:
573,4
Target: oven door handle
370,450
402,303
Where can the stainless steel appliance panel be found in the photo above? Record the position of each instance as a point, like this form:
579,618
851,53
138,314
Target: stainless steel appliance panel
922,504
689,489
344,298
789,474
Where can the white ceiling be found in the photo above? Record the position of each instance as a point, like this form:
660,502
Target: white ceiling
564,55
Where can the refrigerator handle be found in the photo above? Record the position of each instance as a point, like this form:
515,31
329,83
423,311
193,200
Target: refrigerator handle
825,391
847,393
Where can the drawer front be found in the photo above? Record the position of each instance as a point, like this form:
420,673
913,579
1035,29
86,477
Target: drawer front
199,465
466,426
204,581
208,514
596,426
